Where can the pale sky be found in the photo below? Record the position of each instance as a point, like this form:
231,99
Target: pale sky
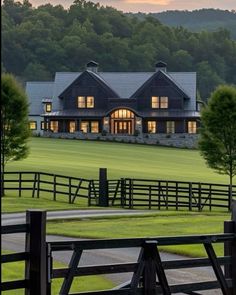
151,5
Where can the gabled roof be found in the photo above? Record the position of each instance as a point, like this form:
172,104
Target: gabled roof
38,92
97,78
168,78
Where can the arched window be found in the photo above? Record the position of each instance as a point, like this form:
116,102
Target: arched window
122,114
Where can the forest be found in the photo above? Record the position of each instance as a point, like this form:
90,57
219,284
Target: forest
197,20
37,42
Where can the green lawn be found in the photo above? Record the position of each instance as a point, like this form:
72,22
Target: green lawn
84,158
15,271
158,224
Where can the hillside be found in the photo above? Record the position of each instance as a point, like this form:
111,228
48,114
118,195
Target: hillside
37,42
197,20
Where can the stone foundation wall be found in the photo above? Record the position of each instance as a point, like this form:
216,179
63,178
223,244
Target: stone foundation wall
183,140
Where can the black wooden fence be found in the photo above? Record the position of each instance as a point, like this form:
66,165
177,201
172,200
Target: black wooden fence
149,272
124,192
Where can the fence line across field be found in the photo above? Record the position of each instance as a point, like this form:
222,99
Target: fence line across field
124,192
148,272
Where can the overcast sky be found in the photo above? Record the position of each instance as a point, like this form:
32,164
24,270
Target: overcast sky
152,5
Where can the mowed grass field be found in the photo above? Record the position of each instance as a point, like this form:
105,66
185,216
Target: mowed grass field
83,159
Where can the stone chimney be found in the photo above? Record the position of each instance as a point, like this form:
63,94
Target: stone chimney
92,66
161,66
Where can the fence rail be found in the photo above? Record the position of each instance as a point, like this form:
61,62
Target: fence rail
148,272
124,192
57,185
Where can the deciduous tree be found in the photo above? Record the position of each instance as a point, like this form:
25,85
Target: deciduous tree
14,123
218,132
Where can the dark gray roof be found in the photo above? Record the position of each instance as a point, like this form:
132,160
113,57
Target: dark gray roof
123,83
36,92
76,113
126,83
101,113
170,114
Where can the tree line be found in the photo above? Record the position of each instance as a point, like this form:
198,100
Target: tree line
37,42
203,19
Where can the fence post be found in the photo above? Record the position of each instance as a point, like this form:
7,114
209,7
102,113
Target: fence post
35,244
122,192
20,183
190,196
103,188
230,250
54,188
69,190
38,185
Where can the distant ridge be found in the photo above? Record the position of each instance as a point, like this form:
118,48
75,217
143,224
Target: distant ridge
197,20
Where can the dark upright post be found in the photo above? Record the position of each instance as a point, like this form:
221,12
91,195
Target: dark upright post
103,188
35,269
230,250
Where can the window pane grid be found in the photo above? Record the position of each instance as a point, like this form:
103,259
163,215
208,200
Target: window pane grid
192,127
170,127
33,125
152,126
72,126
84,127
155,102
122,114
160,102
48,107
85,102
90,102
94,127
54,126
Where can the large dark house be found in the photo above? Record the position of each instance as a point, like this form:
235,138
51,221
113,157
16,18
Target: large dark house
153,107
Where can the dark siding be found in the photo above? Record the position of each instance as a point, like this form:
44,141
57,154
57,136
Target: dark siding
161,126
159,86
86,86
179,126
116,103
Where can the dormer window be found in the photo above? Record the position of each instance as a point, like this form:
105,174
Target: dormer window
85,102
159,102
48,107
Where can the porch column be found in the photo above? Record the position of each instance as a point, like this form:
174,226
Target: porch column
139,125
63,125
106,124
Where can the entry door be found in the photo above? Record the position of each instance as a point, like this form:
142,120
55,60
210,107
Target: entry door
123,127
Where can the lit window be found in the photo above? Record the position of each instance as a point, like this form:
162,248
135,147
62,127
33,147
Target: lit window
54,126
155,102
81,102
32,125
192,127
122,113
170,127
90,102
160,102
48,107
84,127
43,125
152,126
163,102
94,127
72,126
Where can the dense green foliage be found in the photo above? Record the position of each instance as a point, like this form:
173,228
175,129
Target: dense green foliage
218,132
37,42
203,19
14,116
